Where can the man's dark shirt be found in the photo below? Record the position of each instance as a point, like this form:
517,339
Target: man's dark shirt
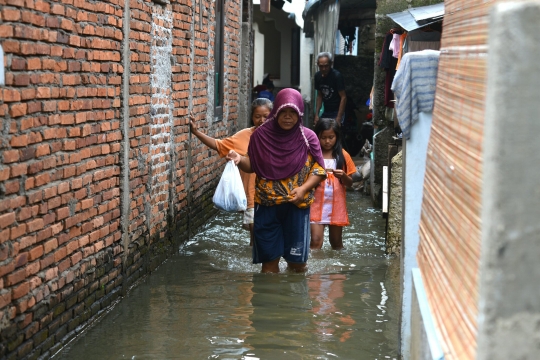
329,87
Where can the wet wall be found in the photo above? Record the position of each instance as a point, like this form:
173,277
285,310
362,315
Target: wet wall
99,177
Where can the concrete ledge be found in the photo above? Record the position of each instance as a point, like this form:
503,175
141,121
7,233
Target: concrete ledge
425,343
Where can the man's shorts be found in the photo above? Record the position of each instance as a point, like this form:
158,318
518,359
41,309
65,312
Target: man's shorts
281,231
248,216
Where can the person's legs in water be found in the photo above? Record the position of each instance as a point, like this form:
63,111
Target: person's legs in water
251,234
271,266
247,223
297,235
267,238
336,239
317,236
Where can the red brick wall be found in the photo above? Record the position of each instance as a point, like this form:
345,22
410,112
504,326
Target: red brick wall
98,185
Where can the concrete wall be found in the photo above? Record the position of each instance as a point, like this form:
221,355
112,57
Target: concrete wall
258,57
414,168
424,340
395,208
509,310
276,41
306,51
381,117
99,178
246,66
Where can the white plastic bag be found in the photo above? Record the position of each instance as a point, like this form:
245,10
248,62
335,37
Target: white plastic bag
230,195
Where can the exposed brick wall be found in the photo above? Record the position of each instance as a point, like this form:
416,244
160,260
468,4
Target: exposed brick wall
99,179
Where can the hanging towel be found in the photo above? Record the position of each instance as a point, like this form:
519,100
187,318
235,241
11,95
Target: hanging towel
414,87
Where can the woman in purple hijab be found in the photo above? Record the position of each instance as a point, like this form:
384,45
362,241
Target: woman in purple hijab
288,162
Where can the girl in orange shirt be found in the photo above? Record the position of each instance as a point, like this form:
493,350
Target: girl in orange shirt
329,207
260,109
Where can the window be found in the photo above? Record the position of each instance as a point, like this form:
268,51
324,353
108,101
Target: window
218,62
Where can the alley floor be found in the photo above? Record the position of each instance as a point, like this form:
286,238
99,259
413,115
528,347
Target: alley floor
209,302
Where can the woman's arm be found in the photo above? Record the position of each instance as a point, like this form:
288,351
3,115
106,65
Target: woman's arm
243,162
297,194
205,139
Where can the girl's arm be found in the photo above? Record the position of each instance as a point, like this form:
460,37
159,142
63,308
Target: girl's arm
205,139
243,162
297,194
345,179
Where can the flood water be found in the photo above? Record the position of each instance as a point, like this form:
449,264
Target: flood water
210,302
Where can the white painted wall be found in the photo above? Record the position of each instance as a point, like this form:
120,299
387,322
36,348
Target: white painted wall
285,63
276,23
258,56
415,151
306,49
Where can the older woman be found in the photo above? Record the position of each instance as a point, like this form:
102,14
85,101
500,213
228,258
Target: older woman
287,159
260,109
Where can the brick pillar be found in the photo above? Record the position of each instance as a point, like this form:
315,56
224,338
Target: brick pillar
160,120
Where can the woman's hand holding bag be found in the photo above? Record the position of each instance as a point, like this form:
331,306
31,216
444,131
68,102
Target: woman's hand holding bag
230,194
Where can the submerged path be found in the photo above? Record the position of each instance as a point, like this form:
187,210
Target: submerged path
210,302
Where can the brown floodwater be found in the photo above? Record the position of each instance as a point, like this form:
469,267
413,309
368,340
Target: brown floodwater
209,302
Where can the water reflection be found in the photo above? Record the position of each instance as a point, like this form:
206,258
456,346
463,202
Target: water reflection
210,302
329,320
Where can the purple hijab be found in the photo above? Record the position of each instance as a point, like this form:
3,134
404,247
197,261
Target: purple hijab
277,154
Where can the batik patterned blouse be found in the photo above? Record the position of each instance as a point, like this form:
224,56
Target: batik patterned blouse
275,192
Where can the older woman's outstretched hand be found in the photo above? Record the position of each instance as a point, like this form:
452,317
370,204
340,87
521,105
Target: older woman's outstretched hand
234,156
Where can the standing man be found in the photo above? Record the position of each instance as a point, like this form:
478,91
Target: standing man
330,90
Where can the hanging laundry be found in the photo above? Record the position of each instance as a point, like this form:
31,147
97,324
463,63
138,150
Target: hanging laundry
414,86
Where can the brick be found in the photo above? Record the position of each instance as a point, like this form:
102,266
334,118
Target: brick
46,261
42,150
20,291
11,95
33,64
7,268
50,245
10,14
17,63
35,225
60,254
11,187
35,253
11,156
7,219
4,173
19,141
27,241
21,79
17,231
16,277
18,110
43,92
5,298
6,31
18,170
62,213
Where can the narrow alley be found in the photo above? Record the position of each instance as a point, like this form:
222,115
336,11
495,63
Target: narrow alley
210,302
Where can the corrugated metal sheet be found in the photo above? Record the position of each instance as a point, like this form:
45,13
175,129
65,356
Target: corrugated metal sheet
416,18
427,12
